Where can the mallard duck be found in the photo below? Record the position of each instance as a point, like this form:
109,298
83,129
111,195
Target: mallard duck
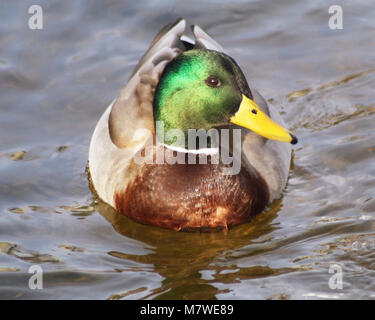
188,84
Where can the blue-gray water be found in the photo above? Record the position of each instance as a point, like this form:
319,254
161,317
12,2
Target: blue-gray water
56,82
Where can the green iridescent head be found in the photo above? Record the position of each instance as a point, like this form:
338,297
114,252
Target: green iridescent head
199,89
204,89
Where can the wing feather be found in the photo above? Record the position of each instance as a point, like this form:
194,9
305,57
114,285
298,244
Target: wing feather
132,109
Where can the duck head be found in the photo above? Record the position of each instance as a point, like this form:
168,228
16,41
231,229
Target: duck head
207,89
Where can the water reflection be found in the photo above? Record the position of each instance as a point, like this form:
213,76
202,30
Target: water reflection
181,258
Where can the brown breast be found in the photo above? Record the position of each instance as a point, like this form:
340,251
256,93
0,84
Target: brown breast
191,196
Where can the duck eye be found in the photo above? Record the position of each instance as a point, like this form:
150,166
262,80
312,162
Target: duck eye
213,82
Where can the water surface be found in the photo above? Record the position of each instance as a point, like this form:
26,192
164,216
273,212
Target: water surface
56,82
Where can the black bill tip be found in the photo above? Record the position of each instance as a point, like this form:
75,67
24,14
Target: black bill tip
294,139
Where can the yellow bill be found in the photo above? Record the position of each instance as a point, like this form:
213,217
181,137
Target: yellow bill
251,117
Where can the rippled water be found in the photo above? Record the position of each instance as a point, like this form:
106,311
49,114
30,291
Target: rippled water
54,85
